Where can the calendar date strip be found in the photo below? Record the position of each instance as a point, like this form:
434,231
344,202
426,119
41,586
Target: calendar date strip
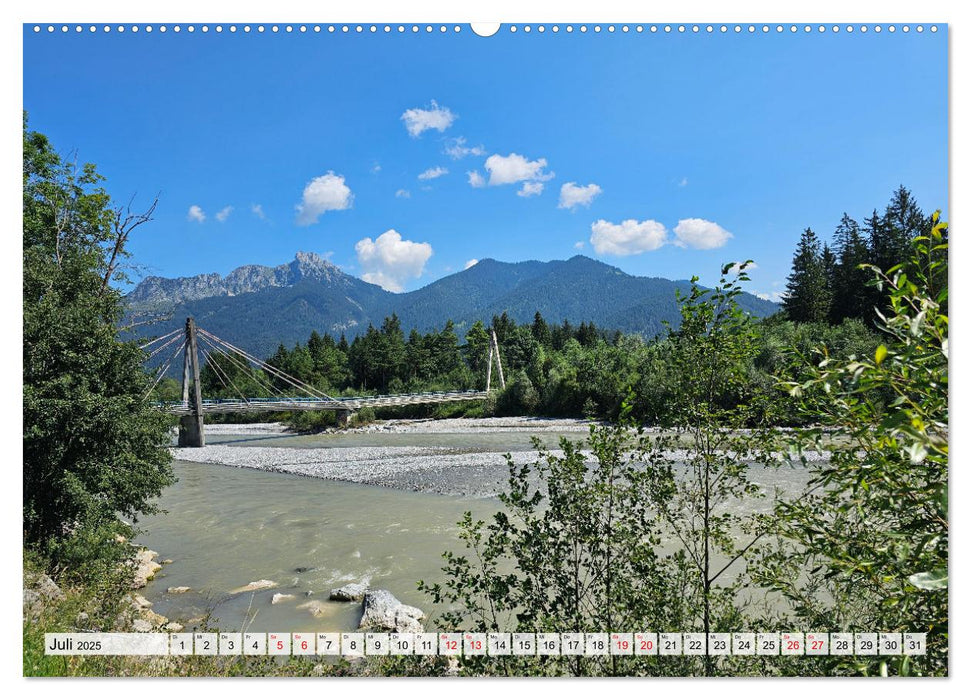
469,644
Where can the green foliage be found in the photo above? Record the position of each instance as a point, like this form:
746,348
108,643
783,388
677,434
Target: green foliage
94,448
363,417
873,528
699,497
572,550
635,532
311,421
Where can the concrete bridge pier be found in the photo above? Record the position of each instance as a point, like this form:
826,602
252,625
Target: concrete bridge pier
191,433
344,418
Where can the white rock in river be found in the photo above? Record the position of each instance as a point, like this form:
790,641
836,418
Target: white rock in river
280,597
384,612
255,586
177,589
154,618
349,592
145,567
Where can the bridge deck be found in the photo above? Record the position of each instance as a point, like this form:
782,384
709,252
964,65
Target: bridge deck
353,403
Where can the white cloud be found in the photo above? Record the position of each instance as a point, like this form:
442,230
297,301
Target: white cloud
403,194
418,120
196,214
629,237
470,263
683,183
456,149
223,214
505,170
432,173
257,210
737,267
325,193
376,168
530,189
700,234
390,261
475,179
579,245
573,195
775,296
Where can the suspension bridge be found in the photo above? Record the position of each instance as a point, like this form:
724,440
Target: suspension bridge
226,360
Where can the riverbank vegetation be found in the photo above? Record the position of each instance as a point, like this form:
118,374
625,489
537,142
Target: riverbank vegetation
863,548
94,447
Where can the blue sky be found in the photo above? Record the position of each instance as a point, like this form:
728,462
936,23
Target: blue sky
663,154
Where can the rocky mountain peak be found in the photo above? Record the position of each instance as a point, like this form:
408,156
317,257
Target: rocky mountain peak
308,265
244,279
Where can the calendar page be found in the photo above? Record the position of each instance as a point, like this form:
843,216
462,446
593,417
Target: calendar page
436,349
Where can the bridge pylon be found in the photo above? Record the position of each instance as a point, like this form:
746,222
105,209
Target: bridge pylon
191,427
494,354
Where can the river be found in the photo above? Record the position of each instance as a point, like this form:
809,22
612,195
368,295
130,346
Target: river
383,513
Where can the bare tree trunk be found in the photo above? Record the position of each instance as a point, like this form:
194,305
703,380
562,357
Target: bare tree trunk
125,222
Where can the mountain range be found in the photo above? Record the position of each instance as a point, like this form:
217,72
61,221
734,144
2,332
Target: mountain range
258,307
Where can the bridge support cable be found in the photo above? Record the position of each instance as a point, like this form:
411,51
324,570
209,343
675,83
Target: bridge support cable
151,342
165,368
162,347
248,369
293,381
223,376
211,350
229,350
275,371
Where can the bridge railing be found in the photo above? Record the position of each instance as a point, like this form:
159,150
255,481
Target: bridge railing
270,402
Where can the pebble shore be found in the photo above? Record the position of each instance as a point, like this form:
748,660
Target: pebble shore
443,470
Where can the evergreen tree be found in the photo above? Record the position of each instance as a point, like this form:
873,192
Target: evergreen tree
541,331
807,299
903,221
851,293
587,334
503,326
415,357
390,351
361,358
477,348
316,346
446,356
828,261
561,334
301,365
